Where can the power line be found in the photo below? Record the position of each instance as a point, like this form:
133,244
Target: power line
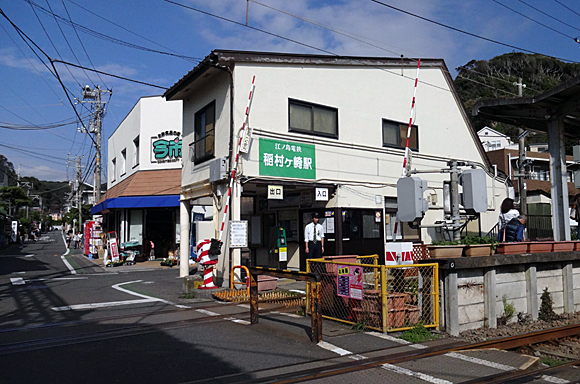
33,154
551,17
106,73
465,32
568,8
82,45
112,39
535,21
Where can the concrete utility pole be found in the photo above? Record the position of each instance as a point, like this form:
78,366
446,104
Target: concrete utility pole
79,202
455,216
522,159
93,96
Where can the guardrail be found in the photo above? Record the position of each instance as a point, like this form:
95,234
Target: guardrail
314,302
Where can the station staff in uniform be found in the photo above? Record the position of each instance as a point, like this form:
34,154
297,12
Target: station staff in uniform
314,238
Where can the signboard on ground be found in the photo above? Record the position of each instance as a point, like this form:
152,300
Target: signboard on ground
349,282
239,234
14,231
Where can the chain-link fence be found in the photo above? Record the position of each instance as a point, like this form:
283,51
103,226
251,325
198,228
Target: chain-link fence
383,298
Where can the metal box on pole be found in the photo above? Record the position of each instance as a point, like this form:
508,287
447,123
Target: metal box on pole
474,191
411,205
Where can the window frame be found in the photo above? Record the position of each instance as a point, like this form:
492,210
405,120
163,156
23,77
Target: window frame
406,126
312,106
207,155
114,166
136,151
123,164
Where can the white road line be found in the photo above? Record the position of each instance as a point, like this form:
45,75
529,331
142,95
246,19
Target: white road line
244,306
239,321
70,268
99,305
299,291
555,380
70,278
419,375
334,348
475,360
17,281
31,255
64,241
118,288
206,312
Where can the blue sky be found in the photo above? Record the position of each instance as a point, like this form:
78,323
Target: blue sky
32,96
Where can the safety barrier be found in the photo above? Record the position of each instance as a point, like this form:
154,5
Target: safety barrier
313,306
378,297
232,282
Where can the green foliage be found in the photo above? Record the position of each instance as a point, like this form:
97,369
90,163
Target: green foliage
473,240
190,295
551,362
546,307
445,242
13,198
508,308
418,334
359,326
494,78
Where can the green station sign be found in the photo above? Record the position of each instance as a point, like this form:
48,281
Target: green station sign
287,159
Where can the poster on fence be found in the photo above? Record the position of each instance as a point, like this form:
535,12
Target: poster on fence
349,282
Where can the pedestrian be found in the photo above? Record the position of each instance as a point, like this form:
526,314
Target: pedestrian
81,240
314,238
507,213
152,250
76,240
514,229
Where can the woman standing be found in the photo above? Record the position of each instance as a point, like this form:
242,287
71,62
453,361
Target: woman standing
507,212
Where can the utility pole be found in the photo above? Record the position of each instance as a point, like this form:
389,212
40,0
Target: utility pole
455,216
93,96
79,203
522,159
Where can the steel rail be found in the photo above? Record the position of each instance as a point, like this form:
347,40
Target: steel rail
521,376
126,331
415,354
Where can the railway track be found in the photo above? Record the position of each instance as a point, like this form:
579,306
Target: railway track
358,365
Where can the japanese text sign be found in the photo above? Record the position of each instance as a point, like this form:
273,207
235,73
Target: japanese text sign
287,159
349,282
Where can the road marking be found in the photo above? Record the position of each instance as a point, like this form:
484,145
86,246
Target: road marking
419,375
333,348
99,305
70,268
70,278
244,306
555,380
118,288
239,321
299,291
17,281
206,312
475,360
31,255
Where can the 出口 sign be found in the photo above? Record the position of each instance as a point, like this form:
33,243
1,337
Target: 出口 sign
287,159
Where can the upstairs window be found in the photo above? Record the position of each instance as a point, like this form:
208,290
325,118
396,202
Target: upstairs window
136,151
123,161
313,119
204,138
113,169
395,135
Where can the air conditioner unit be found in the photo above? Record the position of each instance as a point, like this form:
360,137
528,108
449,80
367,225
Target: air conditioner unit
218,170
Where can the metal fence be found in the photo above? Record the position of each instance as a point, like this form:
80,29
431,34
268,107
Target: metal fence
539,227
378,297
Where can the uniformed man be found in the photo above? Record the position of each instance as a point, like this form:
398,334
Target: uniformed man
314,238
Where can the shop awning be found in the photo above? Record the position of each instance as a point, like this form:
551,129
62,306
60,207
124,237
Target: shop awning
137,202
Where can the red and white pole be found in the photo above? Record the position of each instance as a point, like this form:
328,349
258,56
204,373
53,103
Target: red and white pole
406,157
235,169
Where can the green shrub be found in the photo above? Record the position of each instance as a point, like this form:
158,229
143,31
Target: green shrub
418,334
546,307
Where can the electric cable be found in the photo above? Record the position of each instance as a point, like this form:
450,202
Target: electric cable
465,32
82,45
535,21
551,17
568,8
33,155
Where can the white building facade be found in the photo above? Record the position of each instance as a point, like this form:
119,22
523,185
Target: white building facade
321,123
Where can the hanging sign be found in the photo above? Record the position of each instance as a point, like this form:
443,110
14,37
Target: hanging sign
14,231
321,194
276,192
283,254
349,282
246,139
239,234
287,159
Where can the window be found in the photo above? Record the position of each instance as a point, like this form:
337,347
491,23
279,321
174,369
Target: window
314,119
203,142
123,161
113,169
395,135
404,231
136,151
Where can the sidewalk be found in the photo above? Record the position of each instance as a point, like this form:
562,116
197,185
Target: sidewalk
149,264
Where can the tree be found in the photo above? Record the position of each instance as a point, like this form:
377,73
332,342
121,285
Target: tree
14,198
73,214
483,79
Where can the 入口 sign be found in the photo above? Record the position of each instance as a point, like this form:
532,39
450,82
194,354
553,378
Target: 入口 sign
275,192
321,194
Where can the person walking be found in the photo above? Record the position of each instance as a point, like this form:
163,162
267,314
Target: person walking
314,238
507,213
76,240
514,230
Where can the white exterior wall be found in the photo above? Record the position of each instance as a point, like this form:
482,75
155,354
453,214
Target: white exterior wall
149,117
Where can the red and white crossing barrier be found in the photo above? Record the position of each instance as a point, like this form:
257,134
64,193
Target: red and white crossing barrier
208,262
406,157
243,133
